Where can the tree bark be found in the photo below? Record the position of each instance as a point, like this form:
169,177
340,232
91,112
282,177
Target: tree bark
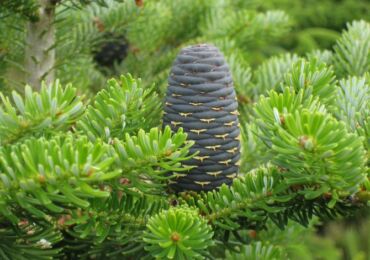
40,42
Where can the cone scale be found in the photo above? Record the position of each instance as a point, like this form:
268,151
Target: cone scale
201,99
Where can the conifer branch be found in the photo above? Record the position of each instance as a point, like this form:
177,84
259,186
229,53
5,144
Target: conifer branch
52,109
123,107
352,51
269,193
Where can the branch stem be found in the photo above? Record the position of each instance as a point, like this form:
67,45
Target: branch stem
40,42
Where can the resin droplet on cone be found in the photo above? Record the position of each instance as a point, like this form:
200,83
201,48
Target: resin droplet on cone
201,99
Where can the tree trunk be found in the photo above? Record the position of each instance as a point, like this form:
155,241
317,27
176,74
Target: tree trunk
40,51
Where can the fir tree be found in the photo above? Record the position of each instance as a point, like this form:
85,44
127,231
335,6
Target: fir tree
87,177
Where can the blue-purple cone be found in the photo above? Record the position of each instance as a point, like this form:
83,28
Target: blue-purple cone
201,99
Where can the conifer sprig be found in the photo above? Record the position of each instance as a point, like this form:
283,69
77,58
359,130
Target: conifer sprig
123,107
54,108
352,51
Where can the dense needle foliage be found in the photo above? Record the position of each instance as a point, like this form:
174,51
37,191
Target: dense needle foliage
85,175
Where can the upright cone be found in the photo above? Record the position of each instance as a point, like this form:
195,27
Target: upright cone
201,99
